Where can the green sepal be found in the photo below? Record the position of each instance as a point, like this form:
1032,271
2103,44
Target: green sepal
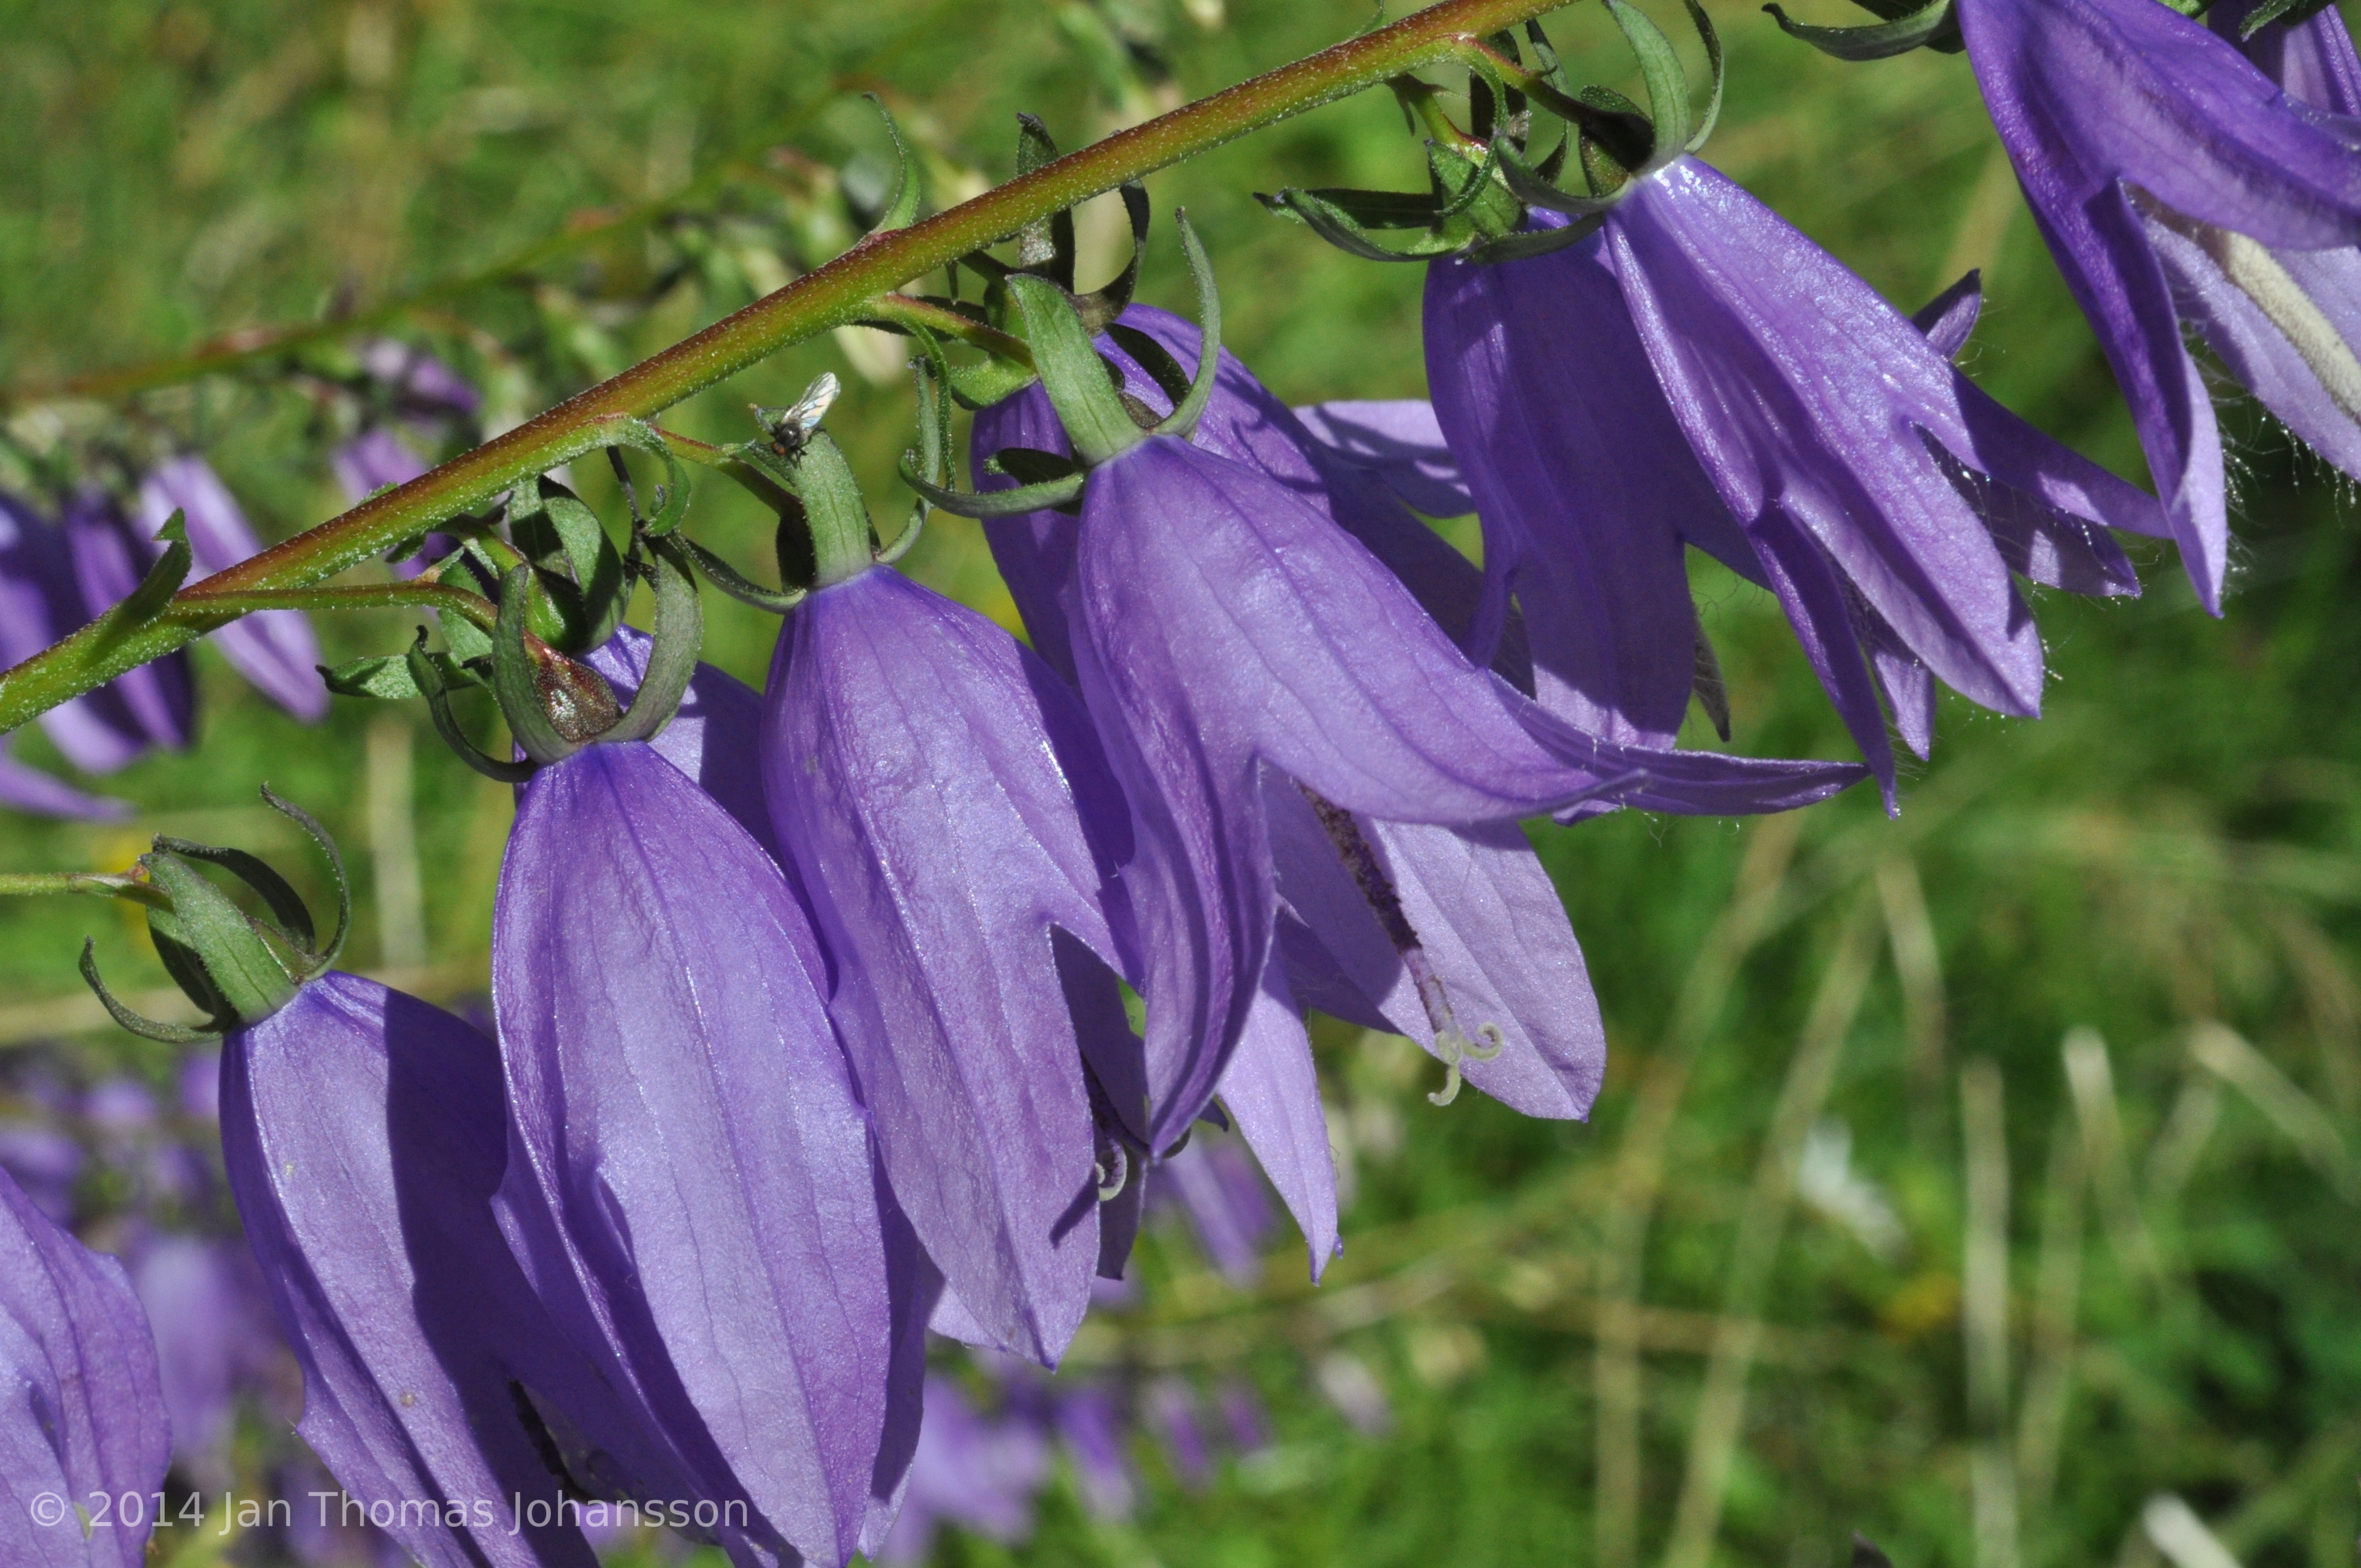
1072,372
386,676
902,209
1183,420
1527,185
1933,25
576,566
1707,36
732,585
139,1023
1046,244
1031,466
1667,84
2291,12
1338,227
838,517
1364,209
672,648
1535,242
933,453
1101,306
335,947
294,921
249,978
1053,496
429,680
146,601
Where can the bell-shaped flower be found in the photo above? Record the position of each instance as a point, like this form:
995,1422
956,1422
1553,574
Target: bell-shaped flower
1228,626
82,1413
365,1140
53,580
413,391
690,1181
274,649
1701,373
956,825
2175,180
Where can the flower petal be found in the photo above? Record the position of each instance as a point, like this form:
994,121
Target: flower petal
274,650
1273,1092
364,1138
1402,444
81,1408
690,1183
935,782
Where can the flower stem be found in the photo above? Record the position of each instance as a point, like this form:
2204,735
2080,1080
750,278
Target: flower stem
95,883
204,611
842,291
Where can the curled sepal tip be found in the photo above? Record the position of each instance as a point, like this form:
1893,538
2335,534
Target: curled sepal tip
1183,420
1904,25
427,678
1045,496
137,1023
553,705
672,652
902,208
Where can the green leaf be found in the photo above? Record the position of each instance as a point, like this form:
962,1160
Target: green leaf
386,676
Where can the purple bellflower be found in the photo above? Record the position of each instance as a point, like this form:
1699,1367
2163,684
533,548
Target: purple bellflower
2175,180
1089,1425
1700,373
80,1410
1216,1186
364,1142
200,1295
1230,626
953,817
690,1181
52,581
978,1473
275,650
426,397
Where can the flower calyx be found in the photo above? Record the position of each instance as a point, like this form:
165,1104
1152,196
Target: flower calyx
1485,180
237,967
1102,421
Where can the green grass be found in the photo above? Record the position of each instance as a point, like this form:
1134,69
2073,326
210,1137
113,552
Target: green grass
2174,843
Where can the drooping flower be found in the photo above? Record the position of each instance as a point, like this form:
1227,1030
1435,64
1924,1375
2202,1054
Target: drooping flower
2175,180
690,1182
1700,373
953,819
365,1140
1228,627
1170,1405
275,650
81,1410
978,1473
203,1299
157,700
1089,1425
415,392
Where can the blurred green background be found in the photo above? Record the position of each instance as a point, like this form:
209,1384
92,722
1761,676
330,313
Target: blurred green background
1974,1180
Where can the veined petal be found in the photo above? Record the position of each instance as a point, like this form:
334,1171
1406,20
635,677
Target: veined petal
1814,597
274,650
714,737
81,1408
1583,481
2088,92
940,788
2314,61
1272,1093
364,1138
1800,388
1490,924
1400,442
690,1183
155,703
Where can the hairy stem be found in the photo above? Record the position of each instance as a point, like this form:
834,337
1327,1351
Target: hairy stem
95,883
842,291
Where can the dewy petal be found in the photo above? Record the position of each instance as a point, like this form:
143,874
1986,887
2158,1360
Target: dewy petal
275,650
364,1138
1491,923
1582,479
1228,625
941,792
1273,1092
690,1182
1801,390
81,1408
1402,443
2088,92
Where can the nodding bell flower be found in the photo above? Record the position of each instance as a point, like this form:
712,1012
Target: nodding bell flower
2178,181
1682,366
952,816
54,577
275,648
81,1410
691,1185
364,1138
1224,629
425,395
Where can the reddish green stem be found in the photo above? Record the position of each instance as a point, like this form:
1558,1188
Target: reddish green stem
840,292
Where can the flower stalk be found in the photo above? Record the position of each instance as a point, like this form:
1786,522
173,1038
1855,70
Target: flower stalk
844,290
